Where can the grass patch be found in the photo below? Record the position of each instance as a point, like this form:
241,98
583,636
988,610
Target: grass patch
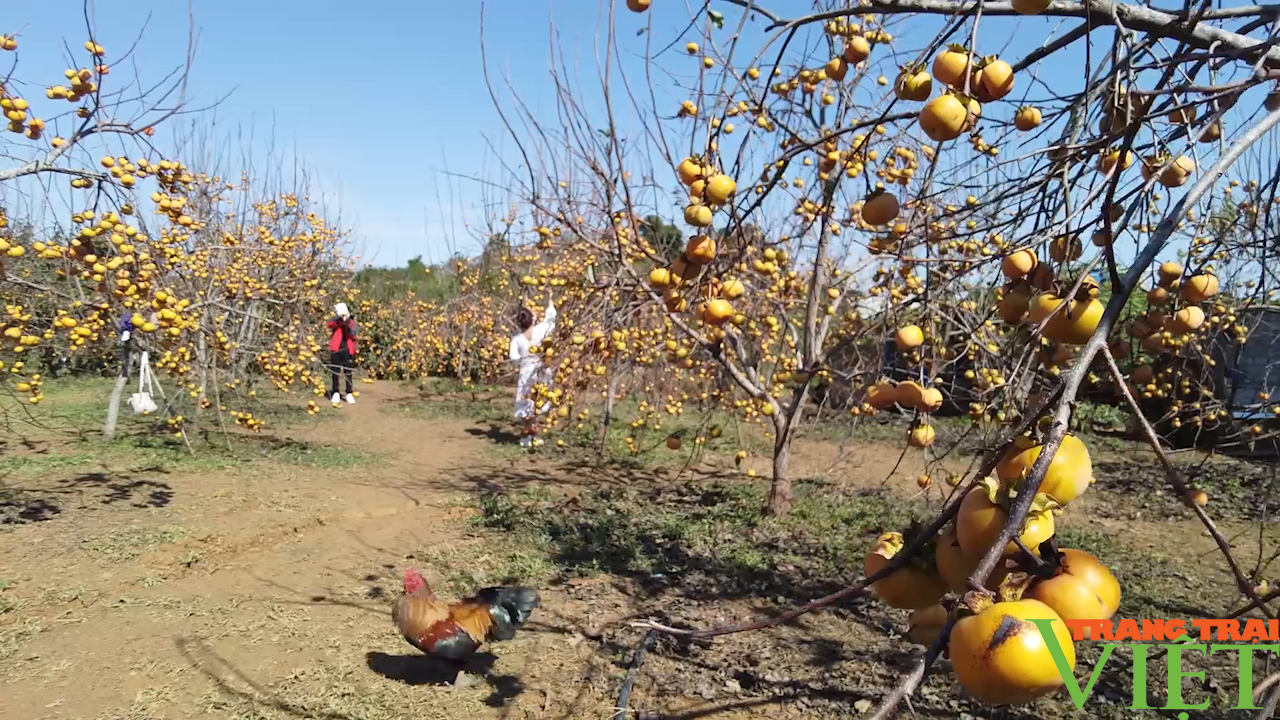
644,446
455,408
708,538
1238,489
13,637
79,405
129,542
134,454
151,453
322,456
446,386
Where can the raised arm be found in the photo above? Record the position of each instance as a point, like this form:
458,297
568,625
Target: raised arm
513,352
549,317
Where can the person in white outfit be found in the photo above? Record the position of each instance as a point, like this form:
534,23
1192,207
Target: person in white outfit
532,370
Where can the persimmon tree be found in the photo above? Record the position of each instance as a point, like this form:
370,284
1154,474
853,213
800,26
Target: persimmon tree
847,189
225,284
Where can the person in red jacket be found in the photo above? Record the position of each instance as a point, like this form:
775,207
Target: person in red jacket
342,351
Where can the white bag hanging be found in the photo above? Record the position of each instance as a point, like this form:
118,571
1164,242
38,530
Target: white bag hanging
141,401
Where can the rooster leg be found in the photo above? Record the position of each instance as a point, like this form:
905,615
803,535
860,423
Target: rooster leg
465,680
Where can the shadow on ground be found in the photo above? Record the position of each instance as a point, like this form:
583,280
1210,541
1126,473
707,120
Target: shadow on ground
38,502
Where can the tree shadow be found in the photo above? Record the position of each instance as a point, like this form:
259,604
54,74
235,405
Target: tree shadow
1239,489
698,539
118,488
37,503
19,507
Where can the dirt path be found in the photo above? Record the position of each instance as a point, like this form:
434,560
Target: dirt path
256,593
261,591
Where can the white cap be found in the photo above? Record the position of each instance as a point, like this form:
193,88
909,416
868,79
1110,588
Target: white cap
341,309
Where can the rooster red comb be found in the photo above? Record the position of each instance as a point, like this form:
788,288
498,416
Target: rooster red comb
413,581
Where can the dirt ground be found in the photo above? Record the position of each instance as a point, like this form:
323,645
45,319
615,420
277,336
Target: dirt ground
261,590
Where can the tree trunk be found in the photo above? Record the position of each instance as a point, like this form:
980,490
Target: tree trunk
608,409
784,426
117,391
780,490
202,360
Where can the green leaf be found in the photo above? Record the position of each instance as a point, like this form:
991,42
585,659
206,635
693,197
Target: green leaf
641,31
717,19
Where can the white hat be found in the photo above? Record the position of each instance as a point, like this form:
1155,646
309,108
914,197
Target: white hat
341,309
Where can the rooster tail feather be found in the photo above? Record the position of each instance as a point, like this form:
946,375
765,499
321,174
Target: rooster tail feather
510,608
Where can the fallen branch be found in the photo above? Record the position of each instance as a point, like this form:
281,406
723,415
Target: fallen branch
637,658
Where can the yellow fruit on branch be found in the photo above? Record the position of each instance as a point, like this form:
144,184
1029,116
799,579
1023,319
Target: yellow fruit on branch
910,587
1069,474
983,513
910,394
932,400
955,566
921,436
716,312
1000,656
719,189
1187,320
1198,288
924,625
1110,159
1012,307
944,117
1076,323
1169,272
1211,133
689,170
953,65
732,289
857,49
909,337
1080,588
700,250
1044,305
1027,118
1178,172
913,84
698,215
1017,264
992,80
882,396
836,69
880,208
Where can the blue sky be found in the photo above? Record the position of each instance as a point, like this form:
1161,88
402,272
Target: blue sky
376,97
380,98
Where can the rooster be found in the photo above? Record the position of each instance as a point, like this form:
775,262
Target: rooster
454,631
